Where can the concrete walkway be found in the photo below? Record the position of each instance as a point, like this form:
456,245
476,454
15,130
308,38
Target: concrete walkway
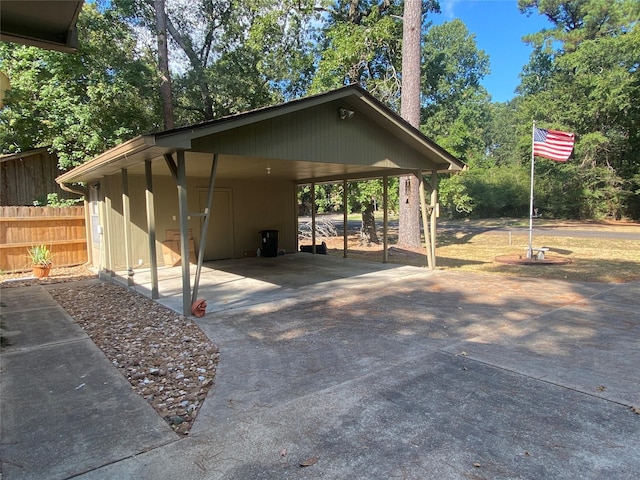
365,370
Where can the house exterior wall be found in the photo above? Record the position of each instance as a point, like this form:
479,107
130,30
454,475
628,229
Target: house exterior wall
255,206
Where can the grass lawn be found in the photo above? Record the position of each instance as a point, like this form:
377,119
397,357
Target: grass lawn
597,259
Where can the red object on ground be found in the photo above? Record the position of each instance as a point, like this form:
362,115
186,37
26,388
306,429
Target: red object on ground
199,308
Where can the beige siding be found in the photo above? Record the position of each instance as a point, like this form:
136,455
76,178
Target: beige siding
264,206
257,205
317,136
114,229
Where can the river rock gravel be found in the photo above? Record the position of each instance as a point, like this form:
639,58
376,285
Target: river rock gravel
165,356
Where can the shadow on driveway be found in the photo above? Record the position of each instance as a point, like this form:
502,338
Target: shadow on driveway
403,373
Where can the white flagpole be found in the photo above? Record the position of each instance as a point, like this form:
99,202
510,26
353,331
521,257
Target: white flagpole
530,251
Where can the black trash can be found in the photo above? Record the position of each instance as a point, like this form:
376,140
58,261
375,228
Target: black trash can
269,243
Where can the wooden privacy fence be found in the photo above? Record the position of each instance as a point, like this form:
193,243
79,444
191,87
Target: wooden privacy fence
62,229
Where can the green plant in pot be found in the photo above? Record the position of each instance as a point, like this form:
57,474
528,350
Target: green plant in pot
41,260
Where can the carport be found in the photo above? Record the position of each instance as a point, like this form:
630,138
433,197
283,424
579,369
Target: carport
238,175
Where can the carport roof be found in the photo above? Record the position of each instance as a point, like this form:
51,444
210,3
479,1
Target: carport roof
132,154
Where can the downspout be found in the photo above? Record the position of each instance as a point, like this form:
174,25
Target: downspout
67,188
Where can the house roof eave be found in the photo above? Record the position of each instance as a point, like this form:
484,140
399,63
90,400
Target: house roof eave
122,156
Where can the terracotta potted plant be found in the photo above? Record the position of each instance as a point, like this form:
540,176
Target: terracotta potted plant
40,258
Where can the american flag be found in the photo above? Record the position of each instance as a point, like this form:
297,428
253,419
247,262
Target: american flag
553,144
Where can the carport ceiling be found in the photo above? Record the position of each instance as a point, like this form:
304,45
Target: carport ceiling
45,24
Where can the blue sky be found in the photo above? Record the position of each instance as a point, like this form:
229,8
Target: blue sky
498,27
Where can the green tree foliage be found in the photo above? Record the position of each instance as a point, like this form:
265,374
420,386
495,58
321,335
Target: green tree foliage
329,196
454,197
501,191
230,56
362,43
456,108
502,133
363,192
227,56
52,200
79,105
584,77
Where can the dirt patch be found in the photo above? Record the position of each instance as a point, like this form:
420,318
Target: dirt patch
57,275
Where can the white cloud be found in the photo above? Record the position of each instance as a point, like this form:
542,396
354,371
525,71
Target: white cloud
448,8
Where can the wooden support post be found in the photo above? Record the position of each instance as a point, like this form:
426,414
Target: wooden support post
87,228
434,214
126,214
385,219
345,218
106,237
173,168
205,227
313,218
184,233
425,223
151,230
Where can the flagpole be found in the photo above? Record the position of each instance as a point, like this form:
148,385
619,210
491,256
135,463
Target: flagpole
530,251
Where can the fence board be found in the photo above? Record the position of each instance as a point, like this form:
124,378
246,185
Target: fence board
62,229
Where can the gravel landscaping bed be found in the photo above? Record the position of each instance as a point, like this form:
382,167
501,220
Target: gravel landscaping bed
165,356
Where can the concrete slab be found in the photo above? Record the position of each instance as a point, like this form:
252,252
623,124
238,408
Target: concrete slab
391,372
590,346
39,326
65,409
24,299
228,284
435,416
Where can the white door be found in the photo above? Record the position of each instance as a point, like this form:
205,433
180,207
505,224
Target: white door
219,242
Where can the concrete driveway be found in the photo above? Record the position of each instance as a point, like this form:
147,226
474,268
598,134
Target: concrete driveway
378,371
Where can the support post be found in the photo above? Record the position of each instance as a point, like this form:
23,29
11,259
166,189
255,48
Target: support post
385,219
434,214
126,218
425,222
205,227
173,168
106,237
151,229
345,218
313,218
184,233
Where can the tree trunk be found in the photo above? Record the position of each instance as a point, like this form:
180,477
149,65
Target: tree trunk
198,68
409,221
163,64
